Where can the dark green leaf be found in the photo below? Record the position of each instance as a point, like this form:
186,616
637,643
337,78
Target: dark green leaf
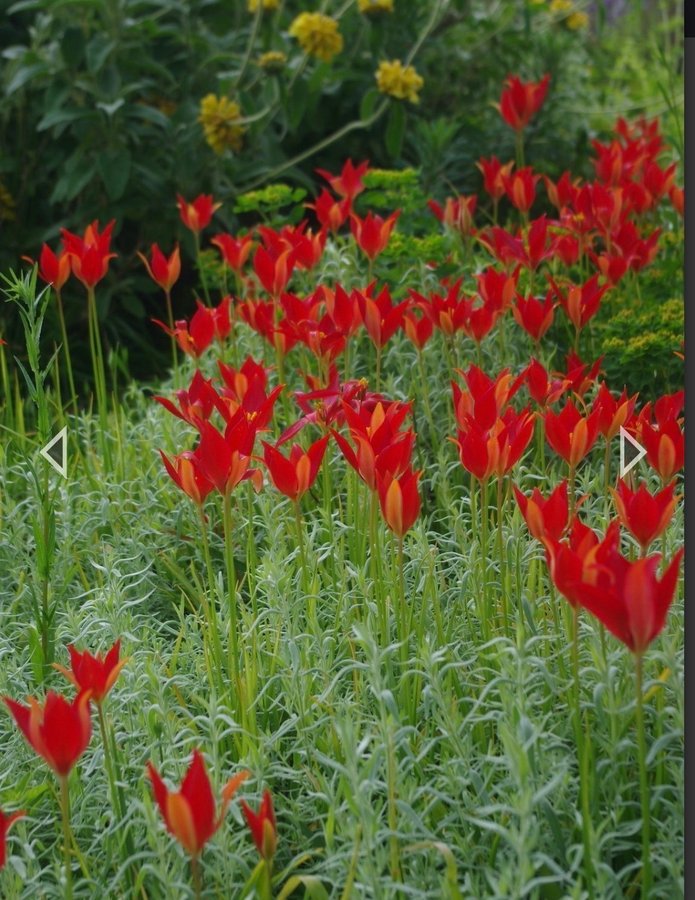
395,129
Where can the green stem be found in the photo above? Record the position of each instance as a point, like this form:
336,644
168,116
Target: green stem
196,878
66,351
170,320
302,547
581,752
201,268
501,554
233,652
643,780
65,813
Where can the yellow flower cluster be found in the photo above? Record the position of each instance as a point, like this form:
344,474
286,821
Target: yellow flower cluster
252,5
399,81
577,20
272,61
219,117
372,7
7,205
318,35
560,6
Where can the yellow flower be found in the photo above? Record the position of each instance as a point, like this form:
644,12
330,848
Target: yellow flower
399,81
374,7
318,35
272,61
560,6
252,5
219,117
7,205
577,20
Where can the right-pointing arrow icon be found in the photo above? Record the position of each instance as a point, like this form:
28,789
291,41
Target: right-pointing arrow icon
630,452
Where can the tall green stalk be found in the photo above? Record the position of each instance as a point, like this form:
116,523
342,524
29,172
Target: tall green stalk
643,779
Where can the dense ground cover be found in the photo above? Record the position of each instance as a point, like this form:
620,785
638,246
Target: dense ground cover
449,687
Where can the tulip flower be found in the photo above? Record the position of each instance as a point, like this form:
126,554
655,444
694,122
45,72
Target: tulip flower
235,251
223,459
665,446
399,500
58,731
293,477
184,470
535,316
54,268
350,181
485,398
542,389
6,822
417,330
274,272
331,213
545,518
96,674
457,213
372,233
580,302
613,414
193,337
570,434
197,214
89,255
447,312
196,402
521,100
189,813
520,188
163,270
262,826
494,174
646,516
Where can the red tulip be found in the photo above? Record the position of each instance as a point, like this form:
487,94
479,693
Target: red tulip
628,597
399,500
234,250
417,330
274,272
485,398
197,214
349,183
373,232
207,323
613,414
578,559
580,302
457,213
89,255
330,212
224,459
294,476
546,518
520,188
535,316
6,823
665,446
521,100
96,674
162,270
541,388
645,515
262,826
59,731
196,402
186,473
190,814
570,434
54,268
494,175
380,317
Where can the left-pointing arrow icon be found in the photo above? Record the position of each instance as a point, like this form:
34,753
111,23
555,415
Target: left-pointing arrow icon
56,452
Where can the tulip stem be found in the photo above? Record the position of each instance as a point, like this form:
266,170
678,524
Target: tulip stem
375,567
231,588
201,268
67,839
484,548
66,351
519,149
581,750
209,608
170,320
500,554
99,372
572,498
302,547
196,878
644,780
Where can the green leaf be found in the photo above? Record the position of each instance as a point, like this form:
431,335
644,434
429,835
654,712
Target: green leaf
114,169
395,129
368,103
72,47
61,117
98,51
24,75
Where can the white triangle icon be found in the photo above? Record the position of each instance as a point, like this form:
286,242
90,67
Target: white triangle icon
626,466
62,439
